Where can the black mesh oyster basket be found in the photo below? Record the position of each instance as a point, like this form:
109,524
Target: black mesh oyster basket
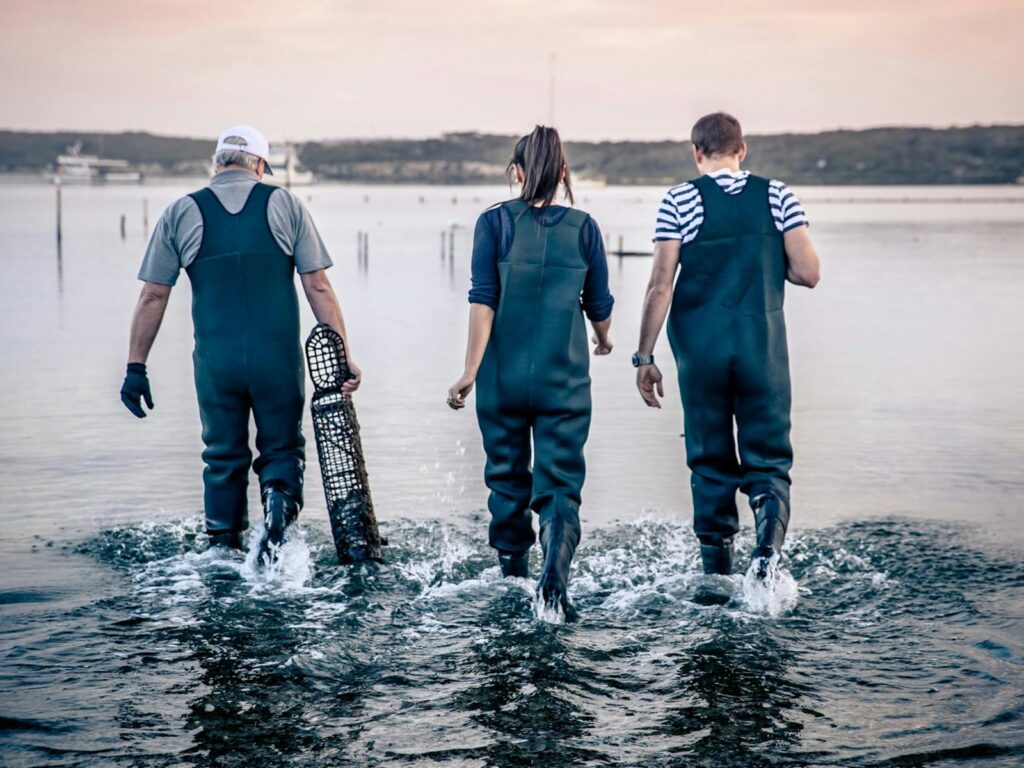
349,507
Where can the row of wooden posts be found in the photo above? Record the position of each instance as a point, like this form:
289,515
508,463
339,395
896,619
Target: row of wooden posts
362,238
124,218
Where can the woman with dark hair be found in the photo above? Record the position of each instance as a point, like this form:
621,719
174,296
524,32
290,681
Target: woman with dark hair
537,268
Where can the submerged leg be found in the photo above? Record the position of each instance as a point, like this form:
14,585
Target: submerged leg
278,397
717,558
280,509
506,437
224,412
559,536
714,478
229,539
705,362
771,519
762,424
559,472
514,566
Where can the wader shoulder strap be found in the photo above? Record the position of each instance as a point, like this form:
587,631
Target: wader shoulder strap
575,218
259,198
515,207
757,185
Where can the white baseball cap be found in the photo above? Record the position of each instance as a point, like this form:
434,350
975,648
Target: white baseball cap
245,138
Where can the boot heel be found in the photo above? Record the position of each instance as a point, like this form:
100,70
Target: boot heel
771,519
279,511
514,566
717,558
553,585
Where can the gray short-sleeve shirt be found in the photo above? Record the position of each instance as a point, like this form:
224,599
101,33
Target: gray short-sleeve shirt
179,232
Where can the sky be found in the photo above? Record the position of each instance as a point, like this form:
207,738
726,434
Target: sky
622,69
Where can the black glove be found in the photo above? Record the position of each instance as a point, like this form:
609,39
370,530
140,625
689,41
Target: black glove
136,385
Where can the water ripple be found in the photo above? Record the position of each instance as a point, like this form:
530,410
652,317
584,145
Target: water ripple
872,644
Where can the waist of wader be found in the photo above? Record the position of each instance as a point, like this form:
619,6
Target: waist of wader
538,348
244,299
745,275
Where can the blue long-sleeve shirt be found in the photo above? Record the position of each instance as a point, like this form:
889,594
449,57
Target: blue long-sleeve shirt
492,240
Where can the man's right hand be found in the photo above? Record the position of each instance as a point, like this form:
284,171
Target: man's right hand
648,380
355,379
135,389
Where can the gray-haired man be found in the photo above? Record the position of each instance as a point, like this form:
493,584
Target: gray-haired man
241,242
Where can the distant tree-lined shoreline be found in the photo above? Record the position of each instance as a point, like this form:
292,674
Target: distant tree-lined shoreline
971,155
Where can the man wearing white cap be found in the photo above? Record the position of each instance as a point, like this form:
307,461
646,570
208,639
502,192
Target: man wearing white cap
241,242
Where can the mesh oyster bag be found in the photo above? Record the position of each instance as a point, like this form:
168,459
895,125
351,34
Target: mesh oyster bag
346,486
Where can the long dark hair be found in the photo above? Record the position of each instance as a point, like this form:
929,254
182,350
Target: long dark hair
542,159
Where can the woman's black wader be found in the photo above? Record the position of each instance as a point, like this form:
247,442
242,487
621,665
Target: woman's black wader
535,379
728,334
247,357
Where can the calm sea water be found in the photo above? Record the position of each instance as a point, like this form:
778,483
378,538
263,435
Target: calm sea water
895,635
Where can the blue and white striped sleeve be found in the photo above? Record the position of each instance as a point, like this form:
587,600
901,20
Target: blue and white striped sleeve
786,208
680,215
667,225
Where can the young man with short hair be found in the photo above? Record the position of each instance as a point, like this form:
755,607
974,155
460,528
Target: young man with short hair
736,239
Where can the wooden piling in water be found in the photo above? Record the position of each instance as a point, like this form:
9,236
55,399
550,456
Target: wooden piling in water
123,225
363,248
145,217
60,214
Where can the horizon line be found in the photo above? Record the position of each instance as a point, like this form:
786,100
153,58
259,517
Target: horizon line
443,134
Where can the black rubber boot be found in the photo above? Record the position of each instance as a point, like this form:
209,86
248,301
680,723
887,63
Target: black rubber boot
771,518
229,539
517,566
553,585
279,511
717,558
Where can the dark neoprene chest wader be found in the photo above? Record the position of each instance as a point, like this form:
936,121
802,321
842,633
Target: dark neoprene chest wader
247,356
535,380
728,335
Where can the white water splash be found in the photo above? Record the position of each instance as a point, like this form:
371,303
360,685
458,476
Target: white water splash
771,596
434,569
292,568
183,579
546,613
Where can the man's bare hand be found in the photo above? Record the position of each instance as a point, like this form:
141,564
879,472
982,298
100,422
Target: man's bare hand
352,384
648,381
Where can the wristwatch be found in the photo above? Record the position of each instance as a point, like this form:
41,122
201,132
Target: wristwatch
639,359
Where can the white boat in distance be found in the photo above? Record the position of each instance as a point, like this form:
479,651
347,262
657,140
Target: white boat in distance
287,173
74,167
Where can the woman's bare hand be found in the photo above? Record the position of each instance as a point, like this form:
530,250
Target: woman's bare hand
459,391
602,347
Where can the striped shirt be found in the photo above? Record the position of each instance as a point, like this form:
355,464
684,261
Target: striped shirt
681,212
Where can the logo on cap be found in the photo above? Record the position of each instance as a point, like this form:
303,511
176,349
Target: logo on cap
237,141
